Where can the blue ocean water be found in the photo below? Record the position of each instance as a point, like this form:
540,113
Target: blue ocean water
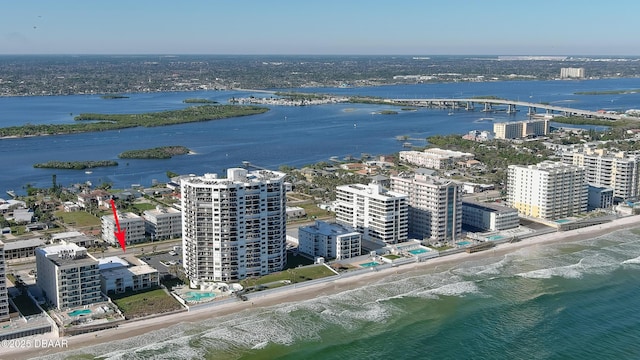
573,300
294,136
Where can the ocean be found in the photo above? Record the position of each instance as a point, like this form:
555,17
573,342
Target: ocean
573,300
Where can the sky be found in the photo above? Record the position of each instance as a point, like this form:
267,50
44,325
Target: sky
322,27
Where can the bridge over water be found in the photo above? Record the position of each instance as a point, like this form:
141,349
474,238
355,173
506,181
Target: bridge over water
511,106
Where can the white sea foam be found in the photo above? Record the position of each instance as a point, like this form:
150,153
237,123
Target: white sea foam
455,289
634,261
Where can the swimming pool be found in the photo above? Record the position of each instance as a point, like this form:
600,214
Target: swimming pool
198,296
495,237
418,251
464,243
370,264
562,221
79,312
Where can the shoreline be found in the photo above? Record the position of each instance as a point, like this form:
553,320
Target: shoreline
141,327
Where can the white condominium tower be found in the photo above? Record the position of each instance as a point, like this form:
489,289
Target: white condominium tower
4,302
233,228
549,190
619,171
435,205
381,216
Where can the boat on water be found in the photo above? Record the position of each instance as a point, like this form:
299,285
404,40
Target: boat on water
407,144
88,172
11,193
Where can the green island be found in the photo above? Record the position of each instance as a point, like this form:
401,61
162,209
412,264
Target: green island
75,165
109,97
301,96
162,152
578,120
487,97
104,122
199,101
387,112
607,92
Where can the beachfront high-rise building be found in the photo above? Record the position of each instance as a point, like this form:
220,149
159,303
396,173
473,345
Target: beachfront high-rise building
68,276
619,171
4,302
549,190
381,216
233,228
435,205
131,223
568,73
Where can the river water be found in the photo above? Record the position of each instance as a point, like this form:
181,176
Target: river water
293,136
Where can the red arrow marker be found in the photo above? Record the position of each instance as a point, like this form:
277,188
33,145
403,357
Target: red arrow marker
119,233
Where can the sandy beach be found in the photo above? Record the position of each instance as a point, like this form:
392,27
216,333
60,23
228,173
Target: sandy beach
135,328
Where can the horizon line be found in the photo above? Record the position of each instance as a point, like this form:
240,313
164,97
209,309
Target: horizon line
313,54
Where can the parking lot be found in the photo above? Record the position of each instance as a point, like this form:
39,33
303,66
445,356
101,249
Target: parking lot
158,261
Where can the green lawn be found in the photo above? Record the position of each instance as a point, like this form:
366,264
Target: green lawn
313,212
144,206
391,256
139,304
78,218
295,275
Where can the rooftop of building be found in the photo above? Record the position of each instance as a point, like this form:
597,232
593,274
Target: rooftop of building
488,206
425,178
66,235
326,228
372,190
438,153
68,254
159,211
547,166
23,244
235,176
120,272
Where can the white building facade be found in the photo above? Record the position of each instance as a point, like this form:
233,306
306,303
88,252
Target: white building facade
380,216
330,241
233,228
4,300
489,217
619,171
521,129
549,190
118,275
569,73
435,205
434,158
163,223
68,275
132,224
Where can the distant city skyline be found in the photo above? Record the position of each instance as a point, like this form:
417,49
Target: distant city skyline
287,27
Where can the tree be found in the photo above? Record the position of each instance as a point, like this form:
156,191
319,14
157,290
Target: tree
171,174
